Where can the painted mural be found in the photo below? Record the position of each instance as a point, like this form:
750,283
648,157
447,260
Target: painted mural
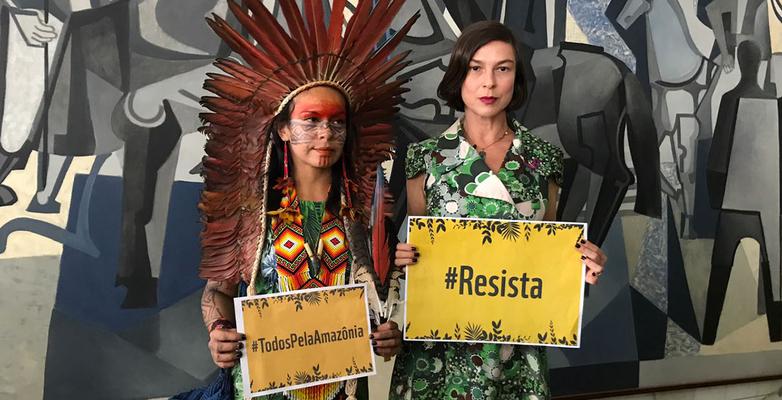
668,111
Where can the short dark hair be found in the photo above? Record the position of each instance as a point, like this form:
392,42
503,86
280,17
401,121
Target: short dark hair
473,38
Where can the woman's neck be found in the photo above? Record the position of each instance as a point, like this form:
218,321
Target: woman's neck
481,131
312,184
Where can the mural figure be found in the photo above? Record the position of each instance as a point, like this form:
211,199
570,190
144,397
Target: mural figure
30,33
124,73
593,99
678,51
748,128
114,84
150,118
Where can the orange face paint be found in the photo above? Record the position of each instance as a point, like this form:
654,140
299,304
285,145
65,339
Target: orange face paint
317,128
313,117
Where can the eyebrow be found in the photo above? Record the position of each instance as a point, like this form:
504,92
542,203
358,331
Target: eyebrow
320,112
498,63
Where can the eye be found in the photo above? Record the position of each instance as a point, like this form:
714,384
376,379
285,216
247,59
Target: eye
313,120
503,69
475,68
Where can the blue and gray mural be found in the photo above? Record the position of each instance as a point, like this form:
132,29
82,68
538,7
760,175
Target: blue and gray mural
668,111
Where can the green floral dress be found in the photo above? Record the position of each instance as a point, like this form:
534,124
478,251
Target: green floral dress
460,184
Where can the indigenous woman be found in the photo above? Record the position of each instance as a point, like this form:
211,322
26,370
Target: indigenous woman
294,138
486,165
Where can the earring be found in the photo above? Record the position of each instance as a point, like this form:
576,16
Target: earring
346,183
285,159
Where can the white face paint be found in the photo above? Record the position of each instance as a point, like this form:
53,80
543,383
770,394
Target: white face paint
306,131
317,129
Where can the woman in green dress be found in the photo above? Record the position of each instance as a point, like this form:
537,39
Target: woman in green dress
485,166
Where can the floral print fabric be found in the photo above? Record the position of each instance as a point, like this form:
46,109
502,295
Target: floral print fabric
458,183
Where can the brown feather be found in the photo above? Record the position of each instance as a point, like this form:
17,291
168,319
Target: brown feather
380,20
245,98
381,255
356,25
352,30
382,54
248,52
278,38
230,90
316,24
238,70
218,119
261,36
291,50
298,32
334,40
389,69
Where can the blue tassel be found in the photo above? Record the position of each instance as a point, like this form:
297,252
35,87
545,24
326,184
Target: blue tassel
221,388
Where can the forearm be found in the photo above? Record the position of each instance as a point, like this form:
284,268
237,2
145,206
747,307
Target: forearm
217,302
416,198
553,202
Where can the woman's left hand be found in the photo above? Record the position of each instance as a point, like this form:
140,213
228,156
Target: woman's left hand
594,258
387,339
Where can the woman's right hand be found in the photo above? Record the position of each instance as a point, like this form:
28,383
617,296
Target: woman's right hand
225,346
406,254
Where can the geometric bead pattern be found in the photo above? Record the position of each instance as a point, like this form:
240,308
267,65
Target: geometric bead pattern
292,260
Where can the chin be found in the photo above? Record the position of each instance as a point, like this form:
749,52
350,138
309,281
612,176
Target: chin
485,111
323,162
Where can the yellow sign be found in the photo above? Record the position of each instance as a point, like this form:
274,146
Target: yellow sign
304,338
494,281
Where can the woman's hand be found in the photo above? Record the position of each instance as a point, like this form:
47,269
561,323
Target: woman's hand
225,346
594,258
387,339
406,254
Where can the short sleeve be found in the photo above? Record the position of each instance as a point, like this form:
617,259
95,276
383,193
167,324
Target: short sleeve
415,163
550,158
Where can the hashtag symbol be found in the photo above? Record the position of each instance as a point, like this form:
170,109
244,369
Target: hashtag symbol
450,278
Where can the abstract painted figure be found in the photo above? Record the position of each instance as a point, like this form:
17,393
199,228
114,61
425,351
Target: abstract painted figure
745,158
590,99
679,47
135,85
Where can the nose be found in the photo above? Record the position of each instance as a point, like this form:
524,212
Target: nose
489,79
324,131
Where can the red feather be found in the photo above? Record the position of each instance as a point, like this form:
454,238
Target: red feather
380,250
245,95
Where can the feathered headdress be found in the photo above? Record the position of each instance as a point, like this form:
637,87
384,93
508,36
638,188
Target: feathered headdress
279,65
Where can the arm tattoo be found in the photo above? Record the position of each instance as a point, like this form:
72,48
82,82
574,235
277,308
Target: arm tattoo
216,303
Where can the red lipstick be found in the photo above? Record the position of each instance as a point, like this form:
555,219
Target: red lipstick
488,100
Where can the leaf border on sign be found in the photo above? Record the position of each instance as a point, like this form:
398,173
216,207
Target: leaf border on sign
299,299
504,230
474,332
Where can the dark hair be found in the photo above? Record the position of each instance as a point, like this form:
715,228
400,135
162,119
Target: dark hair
473,38
276,169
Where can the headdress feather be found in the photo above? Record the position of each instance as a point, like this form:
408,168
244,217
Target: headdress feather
246,97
